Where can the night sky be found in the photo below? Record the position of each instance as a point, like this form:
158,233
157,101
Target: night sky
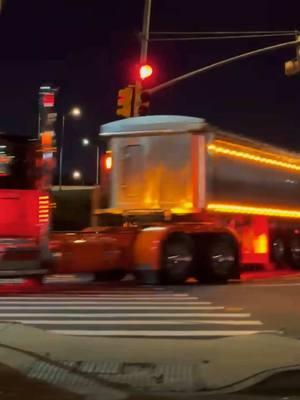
89,48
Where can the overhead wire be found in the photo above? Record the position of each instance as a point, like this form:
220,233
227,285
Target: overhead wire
194,38
295,31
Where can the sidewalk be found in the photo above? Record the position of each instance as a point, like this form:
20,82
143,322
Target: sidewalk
206,364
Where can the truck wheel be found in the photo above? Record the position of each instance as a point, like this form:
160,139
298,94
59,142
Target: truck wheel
177,259
278,251
220,260
294,252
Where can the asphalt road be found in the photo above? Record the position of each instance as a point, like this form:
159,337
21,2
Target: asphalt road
259,303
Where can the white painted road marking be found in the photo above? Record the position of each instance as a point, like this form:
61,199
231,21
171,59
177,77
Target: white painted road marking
88,313
102,297
100,292
106,303
115,307
169,333
138,322
126,315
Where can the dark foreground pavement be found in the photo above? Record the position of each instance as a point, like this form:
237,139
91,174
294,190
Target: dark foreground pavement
16,386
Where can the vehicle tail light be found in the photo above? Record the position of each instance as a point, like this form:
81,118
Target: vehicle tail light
105,178
108,161
44,206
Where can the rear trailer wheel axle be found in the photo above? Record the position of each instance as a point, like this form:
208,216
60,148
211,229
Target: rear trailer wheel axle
177,258
218,259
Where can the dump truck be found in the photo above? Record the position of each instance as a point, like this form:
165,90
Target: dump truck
181,198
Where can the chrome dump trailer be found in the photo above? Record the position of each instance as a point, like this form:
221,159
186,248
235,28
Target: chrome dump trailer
193,200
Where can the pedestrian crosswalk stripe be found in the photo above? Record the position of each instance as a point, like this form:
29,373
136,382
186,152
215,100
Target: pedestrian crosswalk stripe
138,322
107,303
159,333
101,297
124,315
114,307
122,293
127,313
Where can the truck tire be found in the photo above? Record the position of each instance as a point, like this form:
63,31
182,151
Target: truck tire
177,259
219,259
294,251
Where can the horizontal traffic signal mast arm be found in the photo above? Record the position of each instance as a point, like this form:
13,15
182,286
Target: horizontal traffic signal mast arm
218,64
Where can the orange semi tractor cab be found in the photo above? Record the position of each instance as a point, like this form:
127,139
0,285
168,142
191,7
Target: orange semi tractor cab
180,198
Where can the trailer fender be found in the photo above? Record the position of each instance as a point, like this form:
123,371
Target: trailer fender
147,253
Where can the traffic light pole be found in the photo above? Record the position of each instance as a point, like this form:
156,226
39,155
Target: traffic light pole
61,152
145,32
143,54
218,64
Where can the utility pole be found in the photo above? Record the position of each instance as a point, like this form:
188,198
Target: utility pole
143,52
61,151
97,164
131,99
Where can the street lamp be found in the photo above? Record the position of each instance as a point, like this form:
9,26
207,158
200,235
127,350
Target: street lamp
75,112
76,175
86,142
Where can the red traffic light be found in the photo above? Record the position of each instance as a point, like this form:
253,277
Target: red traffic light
145,71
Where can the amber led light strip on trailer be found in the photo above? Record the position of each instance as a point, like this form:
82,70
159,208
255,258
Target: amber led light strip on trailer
257,156
253,210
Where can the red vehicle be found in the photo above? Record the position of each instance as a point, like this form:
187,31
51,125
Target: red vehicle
24,208
181,198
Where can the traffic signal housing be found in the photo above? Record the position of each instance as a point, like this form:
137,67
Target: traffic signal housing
144,103
292,67
125,102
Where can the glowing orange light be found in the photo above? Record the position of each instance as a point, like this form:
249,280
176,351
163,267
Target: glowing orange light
47,139
257,156
253,210
261,244
44,206
145,71
180,210
108,161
